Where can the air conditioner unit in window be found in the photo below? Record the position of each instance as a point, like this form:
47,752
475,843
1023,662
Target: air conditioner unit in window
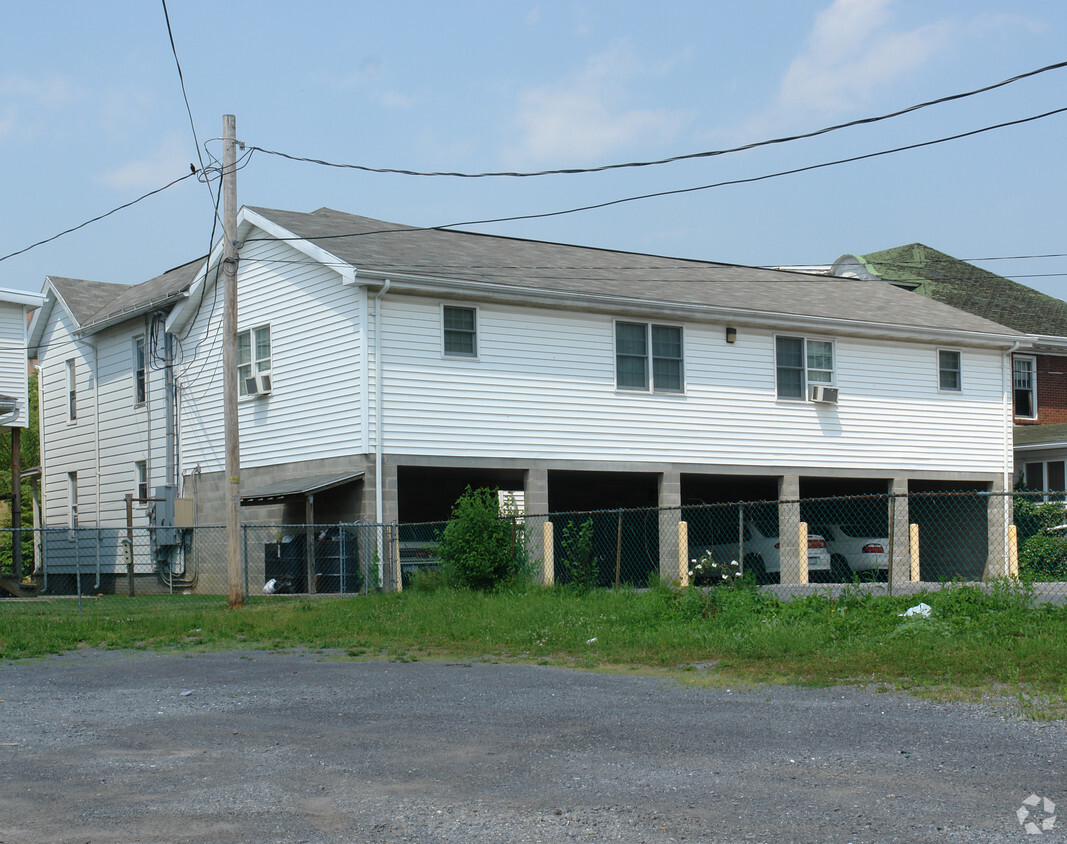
258,385
822,393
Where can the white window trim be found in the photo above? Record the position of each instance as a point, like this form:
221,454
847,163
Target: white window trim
804,391
140,338
137,464
649,360
251,332
71,388
72,500
937,360
1033,385
477,339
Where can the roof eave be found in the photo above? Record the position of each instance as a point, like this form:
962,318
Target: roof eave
685,311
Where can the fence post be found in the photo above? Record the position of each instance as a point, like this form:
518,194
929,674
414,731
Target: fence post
244,553
1013,552
913,548
802,553
549,547
683,554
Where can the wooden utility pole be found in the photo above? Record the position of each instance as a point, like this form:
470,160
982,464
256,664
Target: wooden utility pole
232,481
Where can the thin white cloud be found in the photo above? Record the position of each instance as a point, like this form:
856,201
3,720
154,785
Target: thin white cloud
52,92
586,117
170,161
852,51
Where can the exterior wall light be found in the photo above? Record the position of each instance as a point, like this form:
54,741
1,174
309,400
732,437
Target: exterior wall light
731,334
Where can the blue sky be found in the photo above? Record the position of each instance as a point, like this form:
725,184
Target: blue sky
92,116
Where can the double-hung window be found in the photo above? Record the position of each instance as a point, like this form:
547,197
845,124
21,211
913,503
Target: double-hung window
648,357
72,391
800,362
140,389
140,469
460,331
253,356
949,371
1024,386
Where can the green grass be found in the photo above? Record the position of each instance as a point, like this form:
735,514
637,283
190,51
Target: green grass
976,644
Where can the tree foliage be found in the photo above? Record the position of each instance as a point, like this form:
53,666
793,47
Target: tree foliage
477,548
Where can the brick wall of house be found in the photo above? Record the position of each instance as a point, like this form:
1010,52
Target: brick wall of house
1051,391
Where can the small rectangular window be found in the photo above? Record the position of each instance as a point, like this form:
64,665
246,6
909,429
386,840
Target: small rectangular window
949,375
799,362
72,391
1054,476
460,331
72,498
141,474
1024,386
649,356
139,371
253,356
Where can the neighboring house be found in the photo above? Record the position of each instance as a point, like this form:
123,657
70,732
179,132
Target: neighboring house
384,368
104,407
15,307
1039,366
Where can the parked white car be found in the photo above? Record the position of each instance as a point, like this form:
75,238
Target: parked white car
853,549
759,552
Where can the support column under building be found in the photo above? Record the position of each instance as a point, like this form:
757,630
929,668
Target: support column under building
899,521
789,529
670,503
535,487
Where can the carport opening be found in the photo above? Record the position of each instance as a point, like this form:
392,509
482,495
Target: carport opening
953,529
624,518
427,494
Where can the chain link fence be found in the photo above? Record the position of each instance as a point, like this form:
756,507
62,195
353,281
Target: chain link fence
902,541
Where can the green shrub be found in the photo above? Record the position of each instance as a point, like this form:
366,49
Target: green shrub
577,558
478,549
1044,558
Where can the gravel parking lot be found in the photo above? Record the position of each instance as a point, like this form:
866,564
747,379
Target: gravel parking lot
296,747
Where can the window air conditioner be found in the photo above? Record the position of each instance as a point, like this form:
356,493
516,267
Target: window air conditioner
258,385
822,393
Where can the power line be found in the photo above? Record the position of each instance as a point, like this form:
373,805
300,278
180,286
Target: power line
752,179
686,157
181,79
99,217
677,191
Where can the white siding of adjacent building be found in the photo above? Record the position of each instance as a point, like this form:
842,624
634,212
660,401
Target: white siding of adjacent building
543,387
104,462
315,409
13,375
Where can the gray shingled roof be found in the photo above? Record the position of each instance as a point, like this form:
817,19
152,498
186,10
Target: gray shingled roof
83,297
155,292
1038,434
95,304
381,247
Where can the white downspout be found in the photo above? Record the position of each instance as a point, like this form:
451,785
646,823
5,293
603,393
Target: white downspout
1008,366
378,506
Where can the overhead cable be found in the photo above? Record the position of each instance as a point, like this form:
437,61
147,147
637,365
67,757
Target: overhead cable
686,157
98,218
